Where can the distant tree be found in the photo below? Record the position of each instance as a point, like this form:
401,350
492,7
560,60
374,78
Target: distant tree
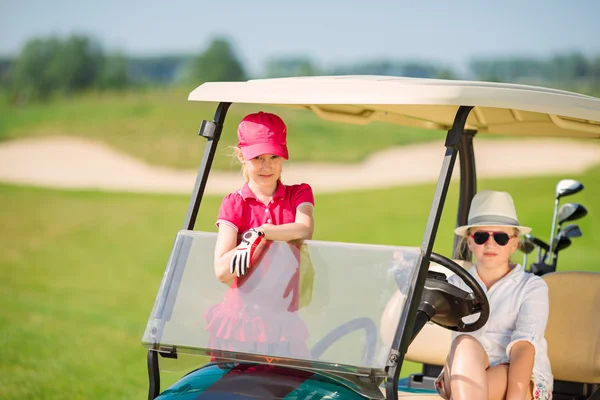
78,63
291,66
561,69
420,70
51,65
217,63
35,74
413,69
114,73
5,68
445,73
568,67
375,67
158,69
595,72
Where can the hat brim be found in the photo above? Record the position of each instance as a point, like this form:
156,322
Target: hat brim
462,230
258,149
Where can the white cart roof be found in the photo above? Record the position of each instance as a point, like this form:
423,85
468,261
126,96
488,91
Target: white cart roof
426,103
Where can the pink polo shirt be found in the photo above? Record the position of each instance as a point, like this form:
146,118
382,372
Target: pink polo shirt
242,210
264,316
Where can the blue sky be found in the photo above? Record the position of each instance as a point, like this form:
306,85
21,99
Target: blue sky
330,32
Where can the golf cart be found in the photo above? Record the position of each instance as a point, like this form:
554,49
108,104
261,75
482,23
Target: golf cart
397,310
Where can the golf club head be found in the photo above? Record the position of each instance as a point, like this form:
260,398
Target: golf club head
571,212
567,187
537,242
570,231
526,246
562,243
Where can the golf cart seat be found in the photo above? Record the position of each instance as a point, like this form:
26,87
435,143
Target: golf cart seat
573,335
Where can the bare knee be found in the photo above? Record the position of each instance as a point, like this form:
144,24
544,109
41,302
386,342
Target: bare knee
464,339
468,346
465,369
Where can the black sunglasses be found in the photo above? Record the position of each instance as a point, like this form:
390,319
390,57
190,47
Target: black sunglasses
501,238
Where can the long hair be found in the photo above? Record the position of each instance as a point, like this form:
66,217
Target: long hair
236,157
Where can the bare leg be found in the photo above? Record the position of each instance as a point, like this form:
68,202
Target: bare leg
497,379
465,370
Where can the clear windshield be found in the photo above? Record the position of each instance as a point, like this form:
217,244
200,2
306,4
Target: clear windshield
319,305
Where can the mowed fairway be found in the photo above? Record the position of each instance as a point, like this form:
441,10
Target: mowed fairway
80,270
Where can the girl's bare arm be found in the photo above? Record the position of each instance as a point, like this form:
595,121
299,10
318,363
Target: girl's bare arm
224,250
522,356
531,322
301,229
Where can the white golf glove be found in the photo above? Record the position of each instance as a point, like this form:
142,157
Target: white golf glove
246,252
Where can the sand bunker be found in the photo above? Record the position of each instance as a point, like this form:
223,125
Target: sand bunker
73,163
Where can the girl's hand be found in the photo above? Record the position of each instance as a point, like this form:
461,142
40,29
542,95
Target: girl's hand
264,227
246,252
301,229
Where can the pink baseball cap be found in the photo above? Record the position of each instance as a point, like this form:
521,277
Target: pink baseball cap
262,133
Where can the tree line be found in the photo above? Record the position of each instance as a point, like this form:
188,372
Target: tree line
53,66
48,66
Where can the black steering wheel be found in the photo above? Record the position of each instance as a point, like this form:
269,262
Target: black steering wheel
336,334
447,305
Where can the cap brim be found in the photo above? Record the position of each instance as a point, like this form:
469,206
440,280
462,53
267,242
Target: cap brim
258,149
462,230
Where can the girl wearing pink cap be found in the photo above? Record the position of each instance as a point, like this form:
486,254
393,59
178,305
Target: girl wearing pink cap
259,312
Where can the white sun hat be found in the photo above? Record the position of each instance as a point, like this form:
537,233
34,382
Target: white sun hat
492,208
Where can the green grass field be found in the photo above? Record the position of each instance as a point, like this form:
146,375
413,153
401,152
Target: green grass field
81,271
160,127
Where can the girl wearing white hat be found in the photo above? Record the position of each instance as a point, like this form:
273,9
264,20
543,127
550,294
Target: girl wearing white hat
507,358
